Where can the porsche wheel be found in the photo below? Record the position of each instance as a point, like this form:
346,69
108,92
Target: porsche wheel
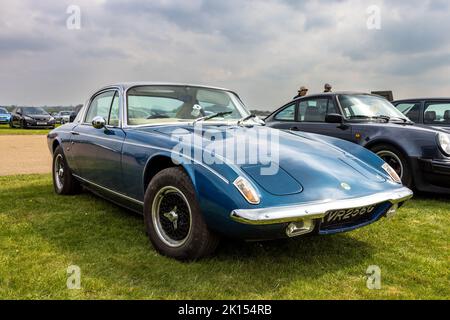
173,219
64,182
397,161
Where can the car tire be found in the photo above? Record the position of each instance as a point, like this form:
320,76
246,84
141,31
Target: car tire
173,219
397,161
22,124
11,125
64,183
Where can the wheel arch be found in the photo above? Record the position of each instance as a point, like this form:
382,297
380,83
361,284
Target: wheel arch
397,146
159,162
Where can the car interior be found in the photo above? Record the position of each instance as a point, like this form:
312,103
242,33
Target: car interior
150,105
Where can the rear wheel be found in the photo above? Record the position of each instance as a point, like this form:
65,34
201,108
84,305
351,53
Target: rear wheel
397,161
64,182
173,219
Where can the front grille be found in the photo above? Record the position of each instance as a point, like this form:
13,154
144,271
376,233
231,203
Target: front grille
349,218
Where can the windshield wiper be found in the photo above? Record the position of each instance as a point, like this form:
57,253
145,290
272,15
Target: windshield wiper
252,116
219,114
386,118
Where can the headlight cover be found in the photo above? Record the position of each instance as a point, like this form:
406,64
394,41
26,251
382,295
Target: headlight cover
247,190
443,140
392,173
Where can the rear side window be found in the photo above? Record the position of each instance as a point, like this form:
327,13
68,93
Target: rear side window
287,114
100,106
437,113
315,110
410,109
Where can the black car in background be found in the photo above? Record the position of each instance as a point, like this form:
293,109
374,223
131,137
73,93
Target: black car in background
433,112
420,155
75,112
31,117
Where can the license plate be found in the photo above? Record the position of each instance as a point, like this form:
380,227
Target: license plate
41,123
343,216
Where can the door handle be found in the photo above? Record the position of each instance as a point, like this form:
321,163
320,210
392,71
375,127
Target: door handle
74,133
294,129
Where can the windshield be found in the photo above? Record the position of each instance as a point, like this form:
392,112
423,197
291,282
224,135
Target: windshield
30,110
3,111
168,104
367,106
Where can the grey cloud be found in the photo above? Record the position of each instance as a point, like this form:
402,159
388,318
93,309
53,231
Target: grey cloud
262,49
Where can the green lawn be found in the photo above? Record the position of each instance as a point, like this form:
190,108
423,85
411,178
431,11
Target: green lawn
6,130
41,234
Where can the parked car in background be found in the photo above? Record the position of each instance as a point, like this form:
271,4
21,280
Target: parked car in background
31,117
125,146
63,117
5,116
75,112
433,112
419,155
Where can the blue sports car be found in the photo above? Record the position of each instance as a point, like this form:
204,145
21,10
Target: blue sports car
5,116
198,166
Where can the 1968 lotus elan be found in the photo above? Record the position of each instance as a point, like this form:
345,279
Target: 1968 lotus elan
155,149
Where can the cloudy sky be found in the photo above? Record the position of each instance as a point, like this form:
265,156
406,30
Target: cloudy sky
262,49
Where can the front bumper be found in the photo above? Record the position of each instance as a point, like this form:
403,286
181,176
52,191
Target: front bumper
5,120
316,210
434,176
436,166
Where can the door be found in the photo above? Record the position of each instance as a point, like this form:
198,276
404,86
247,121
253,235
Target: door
311,115
16,115
97,153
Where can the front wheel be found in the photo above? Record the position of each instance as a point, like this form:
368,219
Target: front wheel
397,161
64,182
173,218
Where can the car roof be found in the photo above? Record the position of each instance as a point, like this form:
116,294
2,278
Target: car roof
128,85
332,94
422,99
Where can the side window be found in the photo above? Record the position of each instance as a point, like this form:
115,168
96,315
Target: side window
315,110
437,113
411,110
114,113
287,114
100,106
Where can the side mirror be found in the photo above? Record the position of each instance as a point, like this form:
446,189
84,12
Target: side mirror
98,122
334,118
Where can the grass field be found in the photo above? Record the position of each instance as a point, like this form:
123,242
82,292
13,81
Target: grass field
42,234
6,130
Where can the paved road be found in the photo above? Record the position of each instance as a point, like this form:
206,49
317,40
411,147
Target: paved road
24,155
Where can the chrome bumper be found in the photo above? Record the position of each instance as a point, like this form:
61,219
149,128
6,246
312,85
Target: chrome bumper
316,210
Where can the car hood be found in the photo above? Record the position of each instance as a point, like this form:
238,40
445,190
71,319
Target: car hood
303,163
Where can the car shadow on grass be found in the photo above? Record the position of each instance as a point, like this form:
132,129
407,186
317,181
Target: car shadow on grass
110,246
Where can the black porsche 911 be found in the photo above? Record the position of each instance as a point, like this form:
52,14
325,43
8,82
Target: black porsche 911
419,154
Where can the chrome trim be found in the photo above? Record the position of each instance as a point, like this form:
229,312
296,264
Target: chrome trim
109,190
315,210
